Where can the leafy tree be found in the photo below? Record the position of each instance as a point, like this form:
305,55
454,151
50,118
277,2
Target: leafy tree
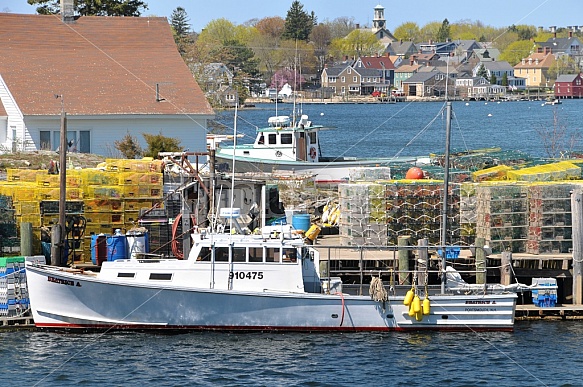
443,34
271,26
482,72
408,31
524,32
563,65
340,27
129,147
357,43
291,77
93,7
298,23
429,31
158,143
516,51
320,38
505,79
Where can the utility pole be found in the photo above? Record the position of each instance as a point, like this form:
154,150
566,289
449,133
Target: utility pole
58,251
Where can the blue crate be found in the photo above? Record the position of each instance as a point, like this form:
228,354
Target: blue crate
451,252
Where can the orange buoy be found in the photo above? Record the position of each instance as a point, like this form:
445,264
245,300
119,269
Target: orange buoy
414,173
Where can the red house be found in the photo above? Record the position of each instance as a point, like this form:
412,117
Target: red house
569,86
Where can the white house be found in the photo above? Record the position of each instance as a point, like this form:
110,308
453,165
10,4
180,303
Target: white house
111,75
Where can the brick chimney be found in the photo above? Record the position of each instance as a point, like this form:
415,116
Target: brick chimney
67,11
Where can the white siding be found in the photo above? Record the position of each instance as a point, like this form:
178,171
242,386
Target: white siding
14,120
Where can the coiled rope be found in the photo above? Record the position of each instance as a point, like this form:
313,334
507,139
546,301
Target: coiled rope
377,290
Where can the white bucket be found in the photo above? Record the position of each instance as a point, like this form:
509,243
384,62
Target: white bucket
137,245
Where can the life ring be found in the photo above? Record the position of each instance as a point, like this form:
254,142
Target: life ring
313,153
278,154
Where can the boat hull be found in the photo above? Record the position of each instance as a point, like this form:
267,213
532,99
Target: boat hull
67,301
336,171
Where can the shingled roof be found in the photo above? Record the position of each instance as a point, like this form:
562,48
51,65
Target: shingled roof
101,66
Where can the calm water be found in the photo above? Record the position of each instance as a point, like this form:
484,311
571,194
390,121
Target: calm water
541,353
384,130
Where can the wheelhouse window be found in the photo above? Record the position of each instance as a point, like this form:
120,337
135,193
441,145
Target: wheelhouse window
289,255
272,254
255,254
204,254
221,254
286,138
239,254
272,138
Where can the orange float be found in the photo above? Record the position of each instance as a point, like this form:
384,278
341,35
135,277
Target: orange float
414,174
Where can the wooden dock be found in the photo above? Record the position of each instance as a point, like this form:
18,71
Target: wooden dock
16,323
563,312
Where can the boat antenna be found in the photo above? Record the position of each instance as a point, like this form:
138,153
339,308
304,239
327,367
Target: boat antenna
445,195
295,83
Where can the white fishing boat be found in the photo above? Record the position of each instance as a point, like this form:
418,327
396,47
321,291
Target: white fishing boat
285,145
239,282
234,280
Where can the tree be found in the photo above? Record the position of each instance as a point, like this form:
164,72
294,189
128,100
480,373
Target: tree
340,27
158,143
129,147
271,26
357,43
93,7
408,31
564,64
291,77
181,29
505,79
493,79
482,72
516,51
298,23
429,31
443,34
320,38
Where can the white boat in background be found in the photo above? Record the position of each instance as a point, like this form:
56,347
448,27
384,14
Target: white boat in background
287,146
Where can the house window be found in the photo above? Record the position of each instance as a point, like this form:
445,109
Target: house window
80,140
349,71
355,79
332,79
343,79
343,89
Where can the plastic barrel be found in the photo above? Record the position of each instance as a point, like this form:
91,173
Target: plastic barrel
116,247
137,244
301,222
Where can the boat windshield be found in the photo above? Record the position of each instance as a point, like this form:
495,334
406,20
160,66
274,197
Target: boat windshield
241,254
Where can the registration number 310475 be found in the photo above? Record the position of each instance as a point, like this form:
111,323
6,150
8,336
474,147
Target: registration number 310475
251,275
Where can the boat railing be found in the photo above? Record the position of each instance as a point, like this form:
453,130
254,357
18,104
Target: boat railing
397,266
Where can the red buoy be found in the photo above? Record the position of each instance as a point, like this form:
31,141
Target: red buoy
414,174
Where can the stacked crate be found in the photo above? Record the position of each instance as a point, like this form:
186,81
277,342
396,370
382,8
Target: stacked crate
414,208
550,228
502,216
14,299
9,240
468,213
362,218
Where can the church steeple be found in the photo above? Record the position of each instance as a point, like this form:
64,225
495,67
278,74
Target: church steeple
379,22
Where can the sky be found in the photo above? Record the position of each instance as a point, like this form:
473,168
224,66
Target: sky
495,13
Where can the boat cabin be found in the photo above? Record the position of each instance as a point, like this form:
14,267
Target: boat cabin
289,142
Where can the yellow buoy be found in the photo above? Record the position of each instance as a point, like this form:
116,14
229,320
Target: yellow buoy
416,304
409,297
419,316
313,232
426,306
411,311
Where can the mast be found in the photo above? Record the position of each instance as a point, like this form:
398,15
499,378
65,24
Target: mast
445,194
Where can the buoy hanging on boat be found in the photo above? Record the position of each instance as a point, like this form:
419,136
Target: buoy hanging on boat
411,311
419,316
414,173
426,306
409,297
416,304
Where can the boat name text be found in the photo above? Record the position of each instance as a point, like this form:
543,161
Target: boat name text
246,275
61,281
481,302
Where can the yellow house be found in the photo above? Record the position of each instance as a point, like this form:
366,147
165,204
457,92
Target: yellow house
535,69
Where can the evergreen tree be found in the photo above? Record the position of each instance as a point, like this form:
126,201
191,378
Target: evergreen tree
493,79
179,21
181,29
505,79
444,31
482,72
298,23
93,7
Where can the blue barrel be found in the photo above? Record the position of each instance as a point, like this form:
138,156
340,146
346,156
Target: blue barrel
301,222
116,247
